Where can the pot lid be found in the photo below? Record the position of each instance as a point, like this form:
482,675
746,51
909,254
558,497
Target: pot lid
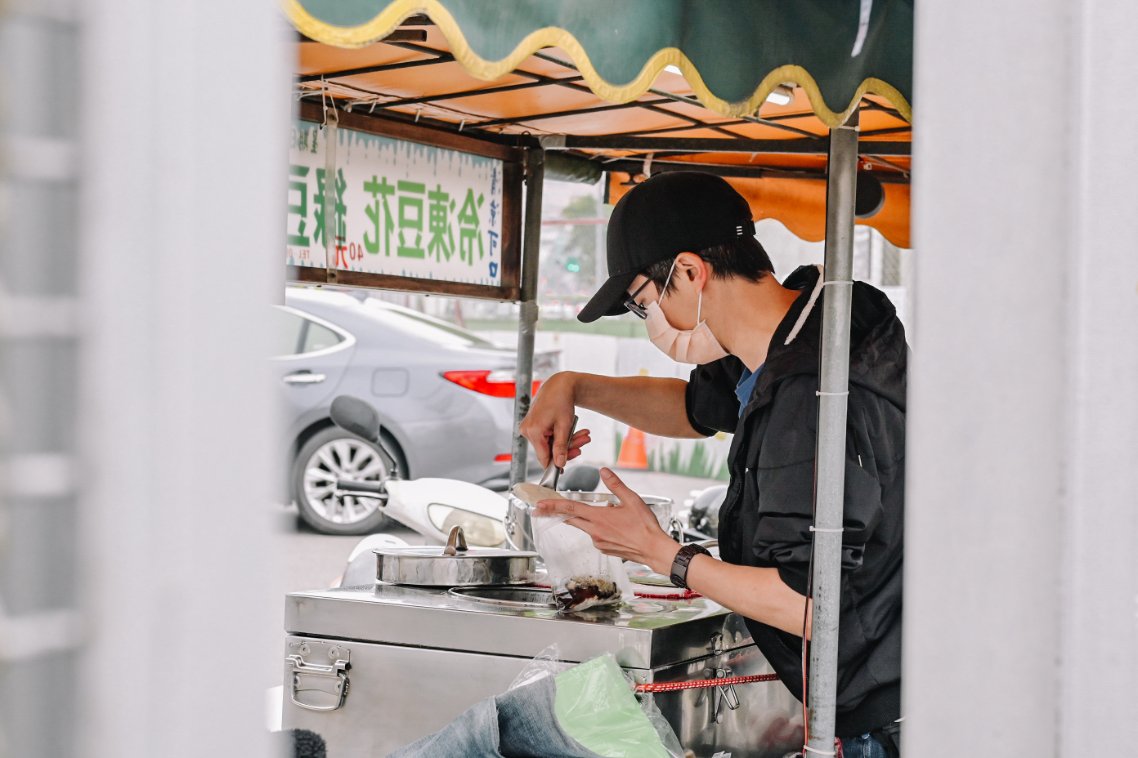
438,551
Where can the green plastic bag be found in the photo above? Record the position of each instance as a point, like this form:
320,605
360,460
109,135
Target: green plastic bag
595,706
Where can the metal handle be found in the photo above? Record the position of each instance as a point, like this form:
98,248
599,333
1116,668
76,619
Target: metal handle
304,377
456,541
337,670
552,473
361,488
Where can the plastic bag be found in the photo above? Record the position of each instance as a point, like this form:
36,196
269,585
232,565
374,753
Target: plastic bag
548,663
581,576
663,729
596,707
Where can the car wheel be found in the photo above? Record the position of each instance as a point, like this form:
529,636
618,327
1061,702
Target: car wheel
333,454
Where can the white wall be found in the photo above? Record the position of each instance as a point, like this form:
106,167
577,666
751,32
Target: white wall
1021,573
184,112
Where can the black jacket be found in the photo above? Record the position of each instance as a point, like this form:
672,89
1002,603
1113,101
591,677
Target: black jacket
766,517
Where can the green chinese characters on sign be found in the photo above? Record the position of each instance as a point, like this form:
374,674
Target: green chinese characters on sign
440,245
379,213
339,209
298,182
468,232
411,219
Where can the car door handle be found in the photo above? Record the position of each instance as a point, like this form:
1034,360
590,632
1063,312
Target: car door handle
304,377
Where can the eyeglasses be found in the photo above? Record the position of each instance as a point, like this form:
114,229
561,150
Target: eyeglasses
641,311
635,308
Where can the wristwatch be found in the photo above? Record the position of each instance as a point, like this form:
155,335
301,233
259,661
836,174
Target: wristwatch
679,575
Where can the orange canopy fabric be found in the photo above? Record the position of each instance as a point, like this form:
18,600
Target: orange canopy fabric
800,204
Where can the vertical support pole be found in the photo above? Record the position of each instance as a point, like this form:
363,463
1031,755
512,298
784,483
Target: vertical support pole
600,259
831,451
331,125
527,315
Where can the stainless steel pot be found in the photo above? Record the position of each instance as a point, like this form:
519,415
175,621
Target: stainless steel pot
454,565
519,524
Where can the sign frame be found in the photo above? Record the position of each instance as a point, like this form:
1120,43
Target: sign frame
513,175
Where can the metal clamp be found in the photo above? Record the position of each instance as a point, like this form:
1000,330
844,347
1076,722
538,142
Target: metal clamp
336,670
675,529
723,695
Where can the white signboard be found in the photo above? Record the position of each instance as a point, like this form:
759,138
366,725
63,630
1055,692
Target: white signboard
401,208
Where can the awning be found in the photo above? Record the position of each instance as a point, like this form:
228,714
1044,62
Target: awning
733,52
754,89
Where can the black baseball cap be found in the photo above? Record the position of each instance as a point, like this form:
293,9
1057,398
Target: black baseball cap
672,213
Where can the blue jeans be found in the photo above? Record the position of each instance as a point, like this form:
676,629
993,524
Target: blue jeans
865,746
519,723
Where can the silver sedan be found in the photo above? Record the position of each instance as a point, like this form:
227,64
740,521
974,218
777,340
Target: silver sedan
444,396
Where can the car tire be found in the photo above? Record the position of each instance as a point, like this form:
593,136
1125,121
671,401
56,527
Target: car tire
331,454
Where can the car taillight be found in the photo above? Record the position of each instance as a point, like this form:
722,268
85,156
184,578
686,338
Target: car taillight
492,383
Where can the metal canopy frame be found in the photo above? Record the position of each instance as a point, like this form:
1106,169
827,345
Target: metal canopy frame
351,90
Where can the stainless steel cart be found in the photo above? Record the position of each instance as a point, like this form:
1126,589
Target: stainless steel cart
373,668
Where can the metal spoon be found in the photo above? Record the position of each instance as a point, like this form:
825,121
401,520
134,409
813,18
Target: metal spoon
552,473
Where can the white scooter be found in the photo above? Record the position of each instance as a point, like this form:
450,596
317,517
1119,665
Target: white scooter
428,506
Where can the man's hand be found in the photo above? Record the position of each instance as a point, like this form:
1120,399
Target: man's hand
549,420
629,530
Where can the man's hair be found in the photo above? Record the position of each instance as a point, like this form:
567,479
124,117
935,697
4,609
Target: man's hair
743,257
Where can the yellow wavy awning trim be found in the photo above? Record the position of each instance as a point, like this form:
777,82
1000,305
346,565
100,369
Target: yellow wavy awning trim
398,10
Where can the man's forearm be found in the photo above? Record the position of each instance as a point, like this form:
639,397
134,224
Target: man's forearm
757,593
650,404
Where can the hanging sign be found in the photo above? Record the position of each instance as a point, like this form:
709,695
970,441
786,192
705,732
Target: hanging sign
398,208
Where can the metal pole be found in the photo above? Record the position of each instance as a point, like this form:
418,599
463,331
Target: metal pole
331,122
527,316
600,261
831,451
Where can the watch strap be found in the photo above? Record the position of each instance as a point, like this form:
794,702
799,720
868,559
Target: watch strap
680,563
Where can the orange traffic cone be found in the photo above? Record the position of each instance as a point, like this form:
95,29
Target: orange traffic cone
632,452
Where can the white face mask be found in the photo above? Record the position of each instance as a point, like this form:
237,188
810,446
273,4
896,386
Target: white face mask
696,345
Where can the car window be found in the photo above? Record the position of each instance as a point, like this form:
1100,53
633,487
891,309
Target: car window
426,327
294,334
317,337
287,329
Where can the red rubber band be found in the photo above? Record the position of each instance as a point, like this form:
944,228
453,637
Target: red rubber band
695,684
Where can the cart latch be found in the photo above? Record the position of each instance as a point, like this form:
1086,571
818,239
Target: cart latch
318,674
723,696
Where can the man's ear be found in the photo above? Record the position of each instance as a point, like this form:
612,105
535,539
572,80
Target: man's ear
693,268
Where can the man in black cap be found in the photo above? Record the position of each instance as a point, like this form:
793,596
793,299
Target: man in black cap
683,257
